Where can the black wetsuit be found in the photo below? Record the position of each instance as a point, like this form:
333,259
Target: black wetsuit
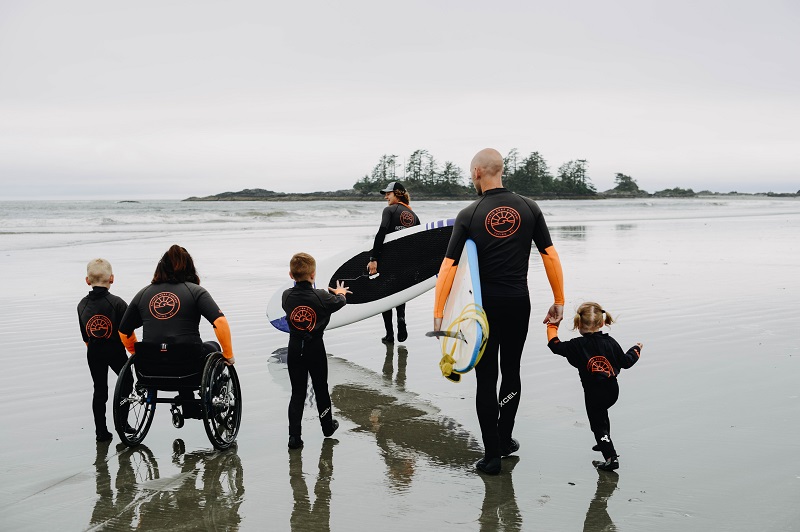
99,315
308,312
170,313
503,226
394,218
599,359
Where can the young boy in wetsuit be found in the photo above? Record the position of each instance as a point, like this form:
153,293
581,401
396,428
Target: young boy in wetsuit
308,312
599,359
99,315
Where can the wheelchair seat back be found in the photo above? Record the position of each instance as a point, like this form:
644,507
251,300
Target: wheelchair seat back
169,366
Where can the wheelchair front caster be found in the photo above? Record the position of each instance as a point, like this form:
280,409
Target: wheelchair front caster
177,417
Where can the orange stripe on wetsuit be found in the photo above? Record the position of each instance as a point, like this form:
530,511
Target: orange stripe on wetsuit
223,332
444,283
128,341
555,275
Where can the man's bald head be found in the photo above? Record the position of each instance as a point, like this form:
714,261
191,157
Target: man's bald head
486,170
489,161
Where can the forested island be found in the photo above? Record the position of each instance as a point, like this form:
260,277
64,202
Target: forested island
426,178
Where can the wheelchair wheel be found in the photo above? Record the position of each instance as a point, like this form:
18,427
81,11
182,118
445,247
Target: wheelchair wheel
134,406
221,396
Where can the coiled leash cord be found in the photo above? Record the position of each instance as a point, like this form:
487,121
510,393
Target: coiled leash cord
471,312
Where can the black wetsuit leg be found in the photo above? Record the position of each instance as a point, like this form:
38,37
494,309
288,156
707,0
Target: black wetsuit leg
298,376
599,397
317,364
387,323
508,328
401,314
99,361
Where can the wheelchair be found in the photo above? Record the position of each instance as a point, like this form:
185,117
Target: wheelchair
185,369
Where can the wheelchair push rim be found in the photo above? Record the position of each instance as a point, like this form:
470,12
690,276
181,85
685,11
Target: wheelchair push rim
133,411
222,401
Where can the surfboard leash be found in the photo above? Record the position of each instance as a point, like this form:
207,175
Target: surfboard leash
471,312
373,276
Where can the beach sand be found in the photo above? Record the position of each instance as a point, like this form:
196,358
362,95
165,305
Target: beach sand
706,424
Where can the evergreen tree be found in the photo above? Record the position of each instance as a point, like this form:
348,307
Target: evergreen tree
532,176
384,171
572,179
625,183
510,162
415,167
450,179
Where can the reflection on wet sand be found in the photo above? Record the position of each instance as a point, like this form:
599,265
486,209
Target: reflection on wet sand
500,510
136,465
388,365
411,434
305,514
597,518
570,232
143,499
406,428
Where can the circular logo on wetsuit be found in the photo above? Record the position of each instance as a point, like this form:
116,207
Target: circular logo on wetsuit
164,305
303,318
600,365
406,218
502,222
99,326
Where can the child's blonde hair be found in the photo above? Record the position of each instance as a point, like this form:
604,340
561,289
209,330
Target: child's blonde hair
99,272
590,315
302,266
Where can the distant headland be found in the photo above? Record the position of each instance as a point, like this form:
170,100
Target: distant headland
259,194
427,179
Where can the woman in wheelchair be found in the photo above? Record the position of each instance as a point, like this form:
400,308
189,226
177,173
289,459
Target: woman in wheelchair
169,311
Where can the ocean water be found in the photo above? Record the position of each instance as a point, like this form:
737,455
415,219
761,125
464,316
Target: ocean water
706,424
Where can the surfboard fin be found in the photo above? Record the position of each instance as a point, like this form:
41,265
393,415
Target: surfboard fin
455,377
457,334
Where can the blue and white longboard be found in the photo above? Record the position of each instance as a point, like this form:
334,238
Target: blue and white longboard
410,260
465,330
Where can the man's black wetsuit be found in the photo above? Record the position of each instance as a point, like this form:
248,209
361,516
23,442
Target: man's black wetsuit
99,315
394,218
503,225
308,312
170,313
599,359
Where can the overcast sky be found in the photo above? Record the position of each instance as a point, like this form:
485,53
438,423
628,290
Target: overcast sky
171,99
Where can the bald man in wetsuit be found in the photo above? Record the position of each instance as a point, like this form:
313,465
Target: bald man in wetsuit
503,226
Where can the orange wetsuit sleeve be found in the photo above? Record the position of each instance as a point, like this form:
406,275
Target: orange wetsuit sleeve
552,266
128,341
223,332
552,331
447,273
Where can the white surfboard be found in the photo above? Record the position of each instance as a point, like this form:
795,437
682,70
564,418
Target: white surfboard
409,263
464,328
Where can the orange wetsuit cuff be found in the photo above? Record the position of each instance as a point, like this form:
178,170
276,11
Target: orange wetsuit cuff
223,332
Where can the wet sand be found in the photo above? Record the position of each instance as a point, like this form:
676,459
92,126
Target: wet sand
706,425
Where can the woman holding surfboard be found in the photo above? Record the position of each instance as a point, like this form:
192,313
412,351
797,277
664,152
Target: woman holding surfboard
396,216
503,226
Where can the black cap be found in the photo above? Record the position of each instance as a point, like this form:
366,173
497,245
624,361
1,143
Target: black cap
394,186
